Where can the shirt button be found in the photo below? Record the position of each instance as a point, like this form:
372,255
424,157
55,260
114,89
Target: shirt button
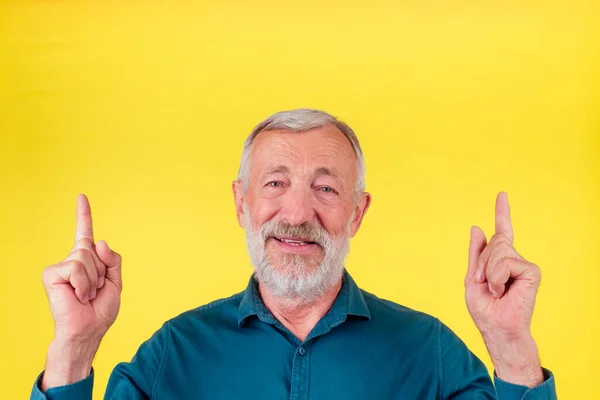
301,351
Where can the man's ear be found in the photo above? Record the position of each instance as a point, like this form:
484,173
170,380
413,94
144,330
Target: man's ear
238,198
362,206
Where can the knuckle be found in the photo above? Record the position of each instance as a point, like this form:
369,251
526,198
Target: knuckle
84,286
80,253
504,263
83,282
495,255
504,267
85,243
503,246
77,266
499,268
47,273
501,238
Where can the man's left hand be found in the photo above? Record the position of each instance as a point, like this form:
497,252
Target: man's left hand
500,289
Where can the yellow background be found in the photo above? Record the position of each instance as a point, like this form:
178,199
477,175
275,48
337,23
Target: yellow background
144,107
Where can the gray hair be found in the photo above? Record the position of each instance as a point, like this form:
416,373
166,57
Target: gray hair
302,120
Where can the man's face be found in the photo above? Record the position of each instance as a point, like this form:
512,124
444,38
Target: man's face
300,209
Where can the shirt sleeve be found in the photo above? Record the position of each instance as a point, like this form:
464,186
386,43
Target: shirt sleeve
464,376
544,391
134,380
78,390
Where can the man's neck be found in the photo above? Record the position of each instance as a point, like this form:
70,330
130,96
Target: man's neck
298,317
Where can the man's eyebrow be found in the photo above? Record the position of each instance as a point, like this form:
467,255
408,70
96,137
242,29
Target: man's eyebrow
282,169
276,169
326,171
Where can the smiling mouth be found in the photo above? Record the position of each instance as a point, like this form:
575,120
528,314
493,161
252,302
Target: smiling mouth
294,241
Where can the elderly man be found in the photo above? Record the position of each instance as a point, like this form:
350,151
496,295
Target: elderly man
302,329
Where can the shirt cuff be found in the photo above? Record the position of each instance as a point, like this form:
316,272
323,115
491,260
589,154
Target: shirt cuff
79,390
509,391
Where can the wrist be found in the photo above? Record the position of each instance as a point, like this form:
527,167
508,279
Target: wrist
67,363
515,360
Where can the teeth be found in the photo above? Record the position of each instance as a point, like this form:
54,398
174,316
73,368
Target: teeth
294,242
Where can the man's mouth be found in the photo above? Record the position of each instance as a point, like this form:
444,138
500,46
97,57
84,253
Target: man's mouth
294,241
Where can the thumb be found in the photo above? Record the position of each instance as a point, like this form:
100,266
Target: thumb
112,260
476,246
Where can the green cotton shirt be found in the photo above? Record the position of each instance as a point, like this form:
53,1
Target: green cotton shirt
363,348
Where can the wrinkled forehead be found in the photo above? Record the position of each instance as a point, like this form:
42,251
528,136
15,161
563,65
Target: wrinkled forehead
325,147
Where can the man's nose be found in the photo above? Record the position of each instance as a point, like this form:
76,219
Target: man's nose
297,207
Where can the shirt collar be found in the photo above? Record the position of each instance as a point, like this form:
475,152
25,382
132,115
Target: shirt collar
349,301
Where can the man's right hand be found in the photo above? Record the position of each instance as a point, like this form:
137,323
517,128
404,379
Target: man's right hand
84,292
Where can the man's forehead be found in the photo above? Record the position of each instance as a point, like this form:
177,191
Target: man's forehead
276,168
320,151
326,141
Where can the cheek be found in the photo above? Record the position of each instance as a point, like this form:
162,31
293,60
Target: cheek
261,212
335,219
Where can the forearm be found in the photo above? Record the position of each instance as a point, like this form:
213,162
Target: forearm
68,363
516,361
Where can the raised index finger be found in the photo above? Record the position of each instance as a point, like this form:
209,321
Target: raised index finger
83,228
503,222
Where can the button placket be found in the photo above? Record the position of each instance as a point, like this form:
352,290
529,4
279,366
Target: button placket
300,373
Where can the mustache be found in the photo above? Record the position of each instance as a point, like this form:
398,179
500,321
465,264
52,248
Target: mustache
307,230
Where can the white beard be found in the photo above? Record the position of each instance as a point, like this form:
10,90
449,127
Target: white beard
294,277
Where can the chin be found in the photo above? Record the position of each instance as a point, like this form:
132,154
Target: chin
299,277
299,283
294,265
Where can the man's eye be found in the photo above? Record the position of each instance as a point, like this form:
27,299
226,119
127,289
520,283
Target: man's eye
327,189
274,184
